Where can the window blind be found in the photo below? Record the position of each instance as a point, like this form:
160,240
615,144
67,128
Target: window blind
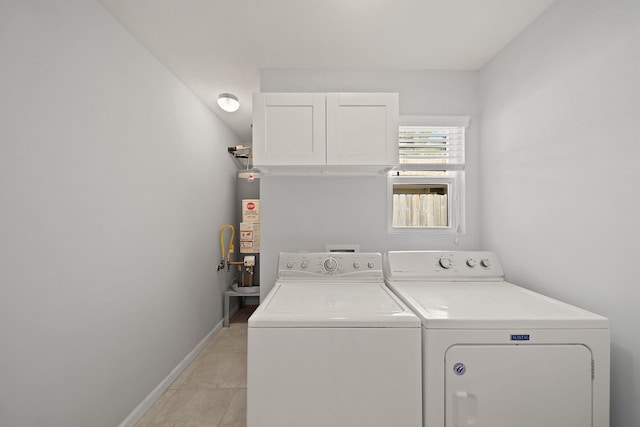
431,147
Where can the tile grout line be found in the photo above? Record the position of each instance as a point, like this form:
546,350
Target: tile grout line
158,410
235,392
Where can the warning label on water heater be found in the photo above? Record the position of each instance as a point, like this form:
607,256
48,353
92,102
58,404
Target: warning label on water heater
250,210
250,226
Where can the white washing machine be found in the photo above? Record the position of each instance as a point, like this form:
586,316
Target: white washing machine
496,354
331,345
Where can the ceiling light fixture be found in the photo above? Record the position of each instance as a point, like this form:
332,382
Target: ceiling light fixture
228,102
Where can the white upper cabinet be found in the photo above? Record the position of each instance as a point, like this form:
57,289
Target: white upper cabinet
289,129
362,128
317,129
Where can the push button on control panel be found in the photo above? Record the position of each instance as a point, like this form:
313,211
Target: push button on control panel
445,263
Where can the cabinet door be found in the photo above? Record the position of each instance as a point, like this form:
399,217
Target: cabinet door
289,129
518,385
362,128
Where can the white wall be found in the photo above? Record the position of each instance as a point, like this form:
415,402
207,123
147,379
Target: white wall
305,213
560,146
114,180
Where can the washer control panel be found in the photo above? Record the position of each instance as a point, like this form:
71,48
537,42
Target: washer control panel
356,265
443,265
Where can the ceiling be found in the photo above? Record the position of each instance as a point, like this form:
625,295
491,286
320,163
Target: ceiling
216,46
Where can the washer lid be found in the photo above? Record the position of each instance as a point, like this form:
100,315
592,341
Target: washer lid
317,305
490,305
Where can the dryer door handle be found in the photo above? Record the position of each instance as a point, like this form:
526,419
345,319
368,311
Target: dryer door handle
465,409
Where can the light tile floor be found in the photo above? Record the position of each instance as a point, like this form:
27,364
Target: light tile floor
212,390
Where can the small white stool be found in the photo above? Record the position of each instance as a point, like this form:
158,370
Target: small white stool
233,293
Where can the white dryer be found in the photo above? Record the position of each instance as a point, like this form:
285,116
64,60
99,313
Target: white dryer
331,345
496,354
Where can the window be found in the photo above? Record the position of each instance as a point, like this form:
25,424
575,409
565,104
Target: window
426,190
420,204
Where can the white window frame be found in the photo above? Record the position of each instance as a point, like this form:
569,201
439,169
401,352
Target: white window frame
453,176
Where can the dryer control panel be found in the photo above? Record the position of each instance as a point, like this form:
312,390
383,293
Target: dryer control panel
442,265
362,266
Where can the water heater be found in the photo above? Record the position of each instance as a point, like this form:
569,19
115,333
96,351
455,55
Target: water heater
247,241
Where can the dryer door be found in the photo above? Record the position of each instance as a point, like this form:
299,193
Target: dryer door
518,385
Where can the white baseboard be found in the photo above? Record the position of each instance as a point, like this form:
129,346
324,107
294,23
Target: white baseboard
155,394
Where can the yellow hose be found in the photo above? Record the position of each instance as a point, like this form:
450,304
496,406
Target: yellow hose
230,247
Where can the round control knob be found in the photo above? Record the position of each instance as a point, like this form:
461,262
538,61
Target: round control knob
445,263
330,264
304,264
370,264
356,265
472,262
289,264
486,262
